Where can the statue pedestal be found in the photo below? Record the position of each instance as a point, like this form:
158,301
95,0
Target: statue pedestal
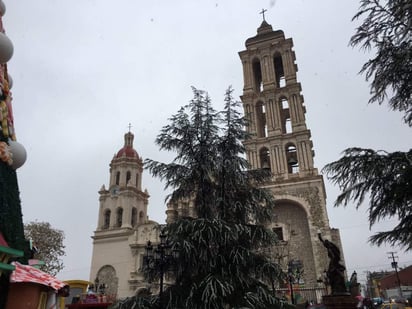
340,301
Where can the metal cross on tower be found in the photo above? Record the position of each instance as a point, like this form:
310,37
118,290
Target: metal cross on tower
263,13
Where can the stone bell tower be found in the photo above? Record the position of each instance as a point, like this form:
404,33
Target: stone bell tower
281,142
123,226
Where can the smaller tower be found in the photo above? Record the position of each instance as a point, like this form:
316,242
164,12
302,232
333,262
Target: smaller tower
124,204
123,227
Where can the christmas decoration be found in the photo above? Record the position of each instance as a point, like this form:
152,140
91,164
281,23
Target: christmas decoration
11,221
6,48
19,154
5,154
10,81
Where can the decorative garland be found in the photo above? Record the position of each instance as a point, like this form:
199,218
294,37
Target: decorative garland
5,154
6,113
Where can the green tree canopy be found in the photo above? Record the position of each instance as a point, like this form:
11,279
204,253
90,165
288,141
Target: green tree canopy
49,244
221,263
385,178
387,30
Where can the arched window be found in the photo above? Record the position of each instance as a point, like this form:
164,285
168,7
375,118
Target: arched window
257,75
106,223
119,217
292,159
279,71
141,217
117,178
285,115
134,217
261,126
128,176
264,158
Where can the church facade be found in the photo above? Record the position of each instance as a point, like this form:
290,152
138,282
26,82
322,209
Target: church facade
281,142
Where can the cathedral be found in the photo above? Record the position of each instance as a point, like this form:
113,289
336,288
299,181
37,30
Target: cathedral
281,142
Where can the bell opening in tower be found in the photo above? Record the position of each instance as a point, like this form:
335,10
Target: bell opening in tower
279,71
262,130
257,75
291,156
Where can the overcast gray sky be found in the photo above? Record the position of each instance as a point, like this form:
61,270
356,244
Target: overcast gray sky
84,69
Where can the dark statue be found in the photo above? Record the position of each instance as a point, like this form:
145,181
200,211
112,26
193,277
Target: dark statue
336,271
354,286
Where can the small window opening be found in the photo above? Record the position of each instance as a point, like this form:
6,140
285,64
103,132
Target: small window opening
119,217
117,178
128,176
106,222
134,217
279,71
261,126
257,75
279,233
264,158
285,114
288,126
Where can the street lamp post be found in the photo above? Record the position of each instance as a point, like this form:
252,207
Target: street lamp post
160,259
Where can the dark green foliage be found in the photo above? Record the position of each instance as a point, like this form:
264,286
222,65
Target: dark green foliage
193,137
387,30
221,262
384,178
137,302
219,265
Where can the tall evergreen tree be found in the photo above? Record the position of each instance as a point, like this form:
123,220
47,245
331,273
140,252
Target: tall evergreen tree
386,177
221,263
386,29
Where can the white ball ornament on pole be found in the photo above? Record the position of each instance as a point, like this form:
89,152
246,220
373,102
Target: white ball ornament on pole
19,154
6,48
2,8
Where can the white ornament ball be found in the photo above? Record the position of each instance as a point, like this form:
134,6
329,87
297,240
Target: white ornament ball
19,154
6,48
10,81
2,8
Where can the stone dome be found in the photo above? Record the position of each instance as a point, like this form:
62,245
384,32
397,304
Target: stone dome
127,151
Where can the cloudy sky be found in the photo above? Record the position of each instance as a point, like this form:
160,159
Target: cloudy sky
83,70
